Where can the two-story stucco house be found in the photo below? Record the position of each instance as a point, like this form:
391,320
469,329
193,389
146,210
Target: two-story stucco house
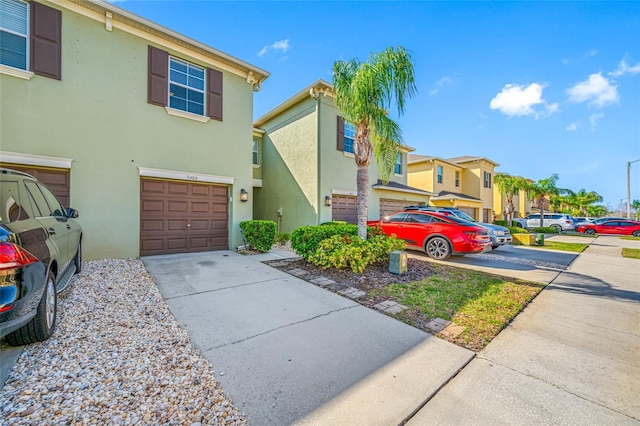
145,131
307,171
465,183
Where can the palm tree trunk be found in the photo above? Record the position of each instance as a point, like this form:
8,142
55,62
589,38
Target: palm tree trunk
509,209
363,199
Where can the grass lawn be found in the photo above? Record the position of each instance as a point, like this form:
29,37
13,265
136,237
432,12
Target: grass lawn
483,304
557,245
631,253
629,237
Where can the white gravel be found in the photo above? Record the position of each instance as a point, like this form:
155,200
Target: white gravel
118,357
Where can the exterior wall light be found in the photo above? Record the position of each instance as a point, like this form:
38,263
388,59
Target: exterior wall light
327,201
244,195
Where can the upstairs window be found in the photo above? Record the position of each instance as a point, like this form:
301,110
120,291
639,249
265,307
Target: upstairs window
440,173
30,38
349,137
14,34
255,148
186,86
487,180
183,86
397,167
457,179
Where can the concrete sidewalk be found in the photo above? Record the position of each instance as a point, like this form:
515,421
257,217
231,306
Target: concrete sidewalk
285,349
571,357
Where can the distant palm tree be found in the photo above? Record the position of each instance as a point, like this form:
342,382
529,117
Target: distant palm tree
509,186
583,199
541,190
635,205
364,93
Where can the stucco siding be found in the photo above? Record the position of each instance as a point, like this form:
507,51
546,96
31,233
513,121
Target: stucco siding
98,116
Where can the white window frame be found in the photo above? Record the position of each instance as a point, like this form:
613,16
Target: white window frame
255,150
397,167
187,87
457,176
352,139
487,180
7,69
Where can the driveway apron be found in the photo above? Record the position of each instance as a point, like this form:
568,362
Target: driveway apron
283,348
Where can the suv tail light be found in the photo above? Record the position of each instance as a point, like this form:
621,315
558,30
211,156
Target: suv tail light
477,236
13,256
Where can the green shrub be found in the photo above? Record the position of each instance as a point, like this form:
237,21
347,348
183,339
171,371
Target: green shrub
545,230
305,240
500,222
517,230
342,251
259,234
282,238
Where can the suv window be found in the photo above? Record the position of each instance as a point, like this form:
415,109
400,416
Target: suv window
10,201
47,205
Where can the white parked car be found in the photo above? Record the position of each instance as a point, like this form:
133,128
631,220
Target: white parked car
560,221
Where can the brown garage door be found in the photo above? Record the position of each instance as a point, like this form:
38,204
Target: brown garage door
343,208
388,206
57,180
470,211
182,217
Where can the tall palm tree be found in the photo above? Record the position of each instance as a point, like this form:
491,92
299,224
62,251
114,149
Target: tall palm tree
540,190
583,199
365,91
509,186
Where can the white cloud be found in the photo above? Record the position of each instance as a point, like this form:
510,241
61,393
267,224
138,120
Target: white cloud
281,45
594,118
518,100
624,68
573,126
590,52
444,81
597,90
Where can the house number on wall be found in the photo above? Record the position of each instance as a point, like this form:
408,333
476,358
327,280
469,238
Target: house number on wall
191,177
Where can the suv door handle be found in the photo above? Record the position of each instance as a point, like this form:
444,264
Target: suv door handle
51,231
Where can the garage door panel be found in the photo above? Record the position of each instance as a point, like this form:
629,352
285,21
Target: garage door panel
181,217
388,206
175,188
343,208
57,180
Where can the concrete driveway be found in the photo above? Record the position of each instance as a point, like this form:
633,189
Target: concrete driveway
288,351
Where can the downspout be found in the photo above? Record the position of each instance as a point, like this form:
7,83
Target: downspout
316,96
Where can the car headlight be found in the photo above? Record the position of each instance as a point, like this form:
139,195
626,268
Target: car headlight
498,232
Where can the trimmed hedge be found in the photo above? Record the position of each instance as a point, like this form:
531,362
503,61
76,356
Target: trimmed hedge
341,251
500,222
259,234
517,230
305,240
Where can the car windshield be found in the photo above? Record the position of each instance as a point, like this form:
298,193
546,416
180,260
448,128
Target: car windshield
460,221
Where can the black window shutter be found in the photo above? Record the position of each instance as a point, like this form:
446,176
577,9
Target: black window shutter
214,94
340,145
46,41
158,76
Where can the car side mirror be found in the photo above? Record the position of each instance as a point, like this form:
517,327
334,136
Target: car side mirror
72,213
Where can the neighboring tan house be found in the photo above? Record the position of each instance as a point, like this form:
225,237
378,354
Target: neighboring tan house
522,206
141,129
465,183
307,167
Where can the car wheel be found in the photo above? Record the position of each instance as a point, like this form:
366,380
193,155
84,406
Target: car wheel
41,326
78,258
519,225
636,233
558,228
438,248
590,231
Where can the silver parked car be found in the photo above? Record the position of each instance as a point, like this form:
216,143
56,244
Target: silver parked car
559,221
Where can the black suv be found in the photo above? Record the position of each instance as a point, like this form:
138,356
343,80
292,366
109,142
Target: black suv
40,250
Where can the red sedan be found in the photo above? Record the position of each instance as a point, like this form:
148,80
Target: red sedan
615,226
438,235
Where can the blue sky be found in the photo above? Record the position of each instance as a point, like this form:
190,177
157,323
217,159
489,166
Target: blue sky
538,87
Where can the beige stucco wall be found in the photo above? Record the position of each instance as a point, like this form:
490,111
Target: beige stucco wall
424,175
98,116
